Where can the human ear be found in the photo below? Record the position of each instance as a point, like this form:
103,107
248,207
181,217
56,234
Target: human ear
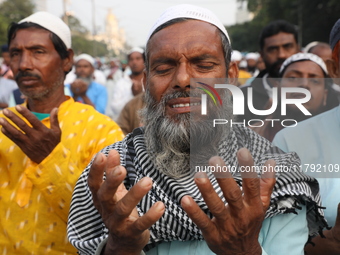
68,61
232,73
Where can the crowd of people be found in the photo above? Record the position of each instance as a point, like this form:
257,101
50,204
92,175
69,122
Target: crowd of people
102,158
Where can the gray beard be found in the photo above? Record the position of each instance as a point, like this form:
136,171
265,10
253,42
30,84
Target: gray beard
87,80
177,145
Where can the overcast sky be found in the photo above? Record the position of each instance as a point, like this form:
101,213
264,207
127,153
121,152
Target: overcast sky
136,16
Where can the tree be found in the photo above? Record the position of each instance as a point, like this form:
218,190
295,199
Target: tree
82,45
313,18
13,11
75,26
80,41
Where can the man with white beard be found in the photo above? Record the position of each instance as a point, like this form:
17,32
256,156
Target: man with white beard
142,195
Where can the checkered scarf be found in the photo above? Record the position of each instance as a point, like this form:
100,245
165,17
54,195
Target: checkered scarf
291,190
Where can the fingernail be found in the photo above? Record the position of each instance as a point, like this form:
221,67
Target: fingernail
5,111
145,182
186,200
244,154
159,206
2,121
99,158
116,171
18,107
201,177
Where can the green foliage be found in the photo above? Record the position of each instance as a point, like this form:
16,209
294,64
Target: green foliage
13,11
314,19
76,27
82,45
16,10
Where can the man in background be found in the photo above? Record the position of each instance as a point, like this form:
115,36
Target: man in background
84,89
5,71
129,85
316,141
278,41
7,86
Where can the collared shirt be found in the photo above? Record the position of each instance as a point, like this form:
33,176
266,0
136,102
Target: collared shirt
97,93
317,142
35,198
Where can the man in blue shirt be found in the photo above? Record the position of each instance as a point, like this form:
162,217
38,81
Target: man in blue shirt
84,89
316,141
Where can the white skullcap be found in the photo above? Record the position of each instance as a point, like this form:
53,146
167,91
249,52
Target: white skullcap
51,23
302,57
136,49
188,11
236,55
86,57
252,55
309,46
243,64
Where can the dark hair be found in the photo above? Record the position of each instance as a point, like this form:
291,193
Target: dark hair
59,45
275,27
224,40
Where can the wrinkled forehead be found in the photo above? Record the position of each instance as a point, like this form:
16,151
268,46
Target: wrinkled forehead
171,35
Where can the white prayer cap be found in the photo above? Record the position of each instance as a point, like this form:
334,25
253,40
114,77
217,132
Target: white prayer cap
86,57
188,11
243,64
252,55
136,49
51,23
236,55
302,57
309,46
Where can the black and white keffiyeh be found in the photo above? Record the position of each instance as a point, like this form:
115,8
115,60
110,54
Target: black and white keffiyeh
292,189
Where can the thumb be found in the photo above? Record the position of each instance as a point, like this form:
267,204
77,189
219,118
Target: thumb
54,120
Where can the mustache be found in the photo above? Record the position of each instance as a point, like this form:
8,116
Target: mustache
178,94
278,63
26,74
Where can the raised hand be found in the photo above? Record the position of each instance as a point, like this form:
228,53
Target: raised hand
35,139
234,228
79,88
128,233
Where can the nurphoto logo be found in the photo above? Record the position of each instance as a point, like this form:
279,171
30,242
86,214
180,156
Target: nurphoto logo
238,103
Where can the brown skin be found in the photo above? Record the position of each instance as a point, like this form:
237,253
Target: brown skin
331,244
308,75
32,52
190,49
276,50
84,69
334,63
324,51
136,63
3,105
